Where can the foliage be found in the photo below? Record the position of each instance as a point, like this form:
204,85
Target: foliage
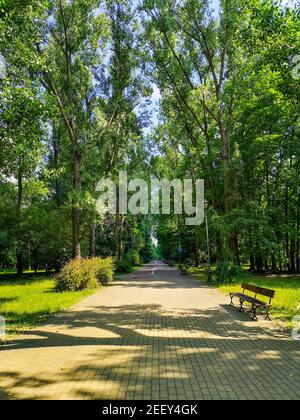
105,270
132,257
76,106
81,274
226,271
230,115
123,266
78,274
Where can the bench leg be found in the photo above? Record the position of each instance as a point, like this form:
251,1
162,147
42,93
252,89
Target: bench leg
242,305
231,297
254,309
268,315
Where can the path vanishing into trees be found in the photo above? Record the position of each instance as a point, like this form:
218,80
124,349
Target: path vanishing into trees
152,335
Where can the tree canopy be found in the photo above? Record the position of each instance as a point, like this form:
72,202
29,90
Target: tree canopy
185,89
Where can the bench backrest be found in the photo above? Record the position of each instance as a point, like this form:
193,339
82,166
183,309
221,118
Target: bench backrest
259,290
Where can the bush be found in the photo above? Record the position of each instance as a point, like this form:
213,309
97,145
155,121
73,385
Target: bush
105,271
228,271
132,257
81,274
123,266
78,274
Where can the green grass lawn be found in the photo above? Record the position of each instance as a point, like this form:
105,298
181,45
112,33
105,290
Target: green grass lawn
286,304
13,271
27,302
7,271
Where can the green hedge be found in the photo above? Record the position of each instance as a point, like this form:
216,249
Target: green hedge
123,266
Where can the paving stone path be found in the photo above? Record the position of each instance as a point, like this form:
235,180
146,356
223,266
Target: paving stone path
152,335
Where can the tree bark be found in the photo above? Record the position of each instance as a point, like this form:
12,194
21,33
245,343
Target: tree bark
76,206
266,264
19,255
228,187
197,262
287,247
298,240
119,237
93,237
259,263
292,255
56,153
274,264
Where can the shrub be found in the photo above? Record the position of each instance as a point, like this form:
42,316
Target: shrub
81,274
105,271
132,257
228,271
123,266
78,274
239,273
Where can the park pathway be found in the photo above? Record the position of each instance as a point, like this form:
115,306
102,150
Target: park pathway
152,335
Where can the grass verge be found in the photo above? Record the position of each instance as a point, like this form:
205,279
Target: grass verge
27,302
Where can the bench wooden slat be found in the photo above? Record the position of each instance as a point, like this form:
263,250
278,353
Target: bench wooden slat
259,290
250,299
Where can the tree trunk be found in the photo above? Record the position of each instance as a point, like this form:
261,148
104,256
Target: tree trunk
133,235
228,187
252,263
252,256
279,252
76,207
259,263
93,235
234,247
197,262
287,246
292,256
56,152
298,240
119,237
29,257
227,171
274,265
75,232
266,264
19,255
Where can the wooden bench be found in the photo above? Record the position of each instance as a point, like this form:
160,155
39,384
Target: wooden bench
255,303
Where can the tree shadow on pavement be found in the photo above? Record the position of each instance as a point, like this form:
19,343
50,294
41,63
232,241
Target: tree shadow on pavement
145,351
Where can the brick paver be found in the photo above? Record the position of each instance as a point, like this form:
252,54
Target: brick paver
152,335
